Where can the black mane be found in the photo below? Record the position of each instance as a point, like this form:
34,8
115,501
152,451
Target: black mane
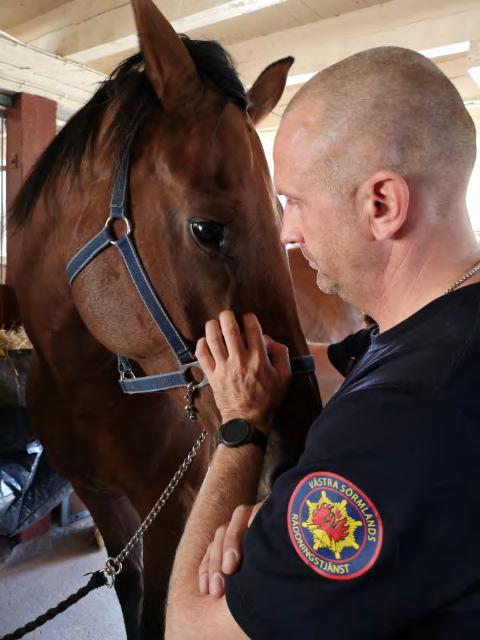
129,89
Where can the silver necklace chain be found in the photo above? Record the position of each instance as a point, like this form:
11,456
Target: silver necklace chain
468,275
114,566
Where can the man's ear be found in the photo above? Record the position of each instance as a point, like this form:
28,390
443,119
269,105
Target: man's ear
267,89
383,200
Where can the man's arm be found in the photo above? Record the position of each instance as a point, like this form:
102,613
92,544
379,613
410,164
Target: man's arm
224,554
231,480
248,379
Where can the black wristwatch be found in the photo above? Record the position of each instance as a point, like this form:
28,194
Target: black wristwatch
238,432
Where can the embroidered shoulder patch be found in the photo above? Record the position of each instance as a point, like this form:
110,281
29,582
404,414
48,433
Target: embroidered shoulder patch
335,529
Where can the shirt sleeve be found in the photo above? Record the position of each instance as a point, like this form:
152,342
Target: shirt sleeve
344,354
375,528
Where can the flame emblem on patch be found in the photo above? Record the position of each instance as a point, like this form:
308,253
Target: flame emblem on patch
334,528
331,526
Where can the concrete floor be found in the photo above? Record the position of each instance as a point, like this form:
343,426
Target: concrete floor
37,574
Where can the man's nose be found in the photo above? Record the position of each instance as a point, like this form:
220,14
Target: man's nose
290,232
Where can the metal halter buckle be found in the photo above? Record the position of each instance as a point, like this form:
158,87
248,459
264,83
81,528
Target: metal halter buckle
125,372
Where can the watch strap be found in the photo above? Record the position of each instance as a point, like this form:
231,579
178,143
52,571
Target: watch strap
259,438
254,436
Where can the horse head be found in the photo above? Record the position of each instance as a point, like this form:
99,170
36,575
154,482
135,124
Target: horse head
205,217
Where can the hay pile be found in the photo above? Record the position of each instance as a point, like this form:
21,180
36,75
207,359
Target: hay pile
13,340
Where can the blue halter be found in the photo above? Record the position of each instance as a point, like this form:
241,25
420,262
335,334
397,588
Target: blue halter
164,381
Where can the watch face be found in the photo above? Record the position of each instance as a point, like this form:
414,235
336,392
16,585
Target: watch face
235,432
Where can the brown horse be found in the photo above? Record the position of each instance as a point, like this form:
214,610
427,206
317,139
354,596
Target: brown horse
206,227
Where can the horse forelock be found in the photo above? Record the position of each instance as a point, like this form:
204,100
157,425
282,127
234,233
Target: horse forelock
130,97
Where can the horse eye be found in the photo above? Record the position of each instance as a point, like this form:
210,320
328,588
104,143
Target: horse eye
210,234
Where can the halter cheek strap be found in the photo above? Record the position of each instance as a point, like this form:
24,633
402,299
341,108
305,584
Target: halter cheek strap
186,361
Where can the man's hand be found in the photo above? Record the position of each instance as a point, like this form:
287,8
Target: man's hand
224,554
248,376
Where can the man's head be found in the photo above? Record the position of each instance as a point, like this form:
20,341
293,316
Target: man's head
372,153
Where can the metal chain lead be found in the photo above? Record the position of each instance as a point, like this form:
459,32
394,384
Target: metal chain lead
468,275
189,408
114,566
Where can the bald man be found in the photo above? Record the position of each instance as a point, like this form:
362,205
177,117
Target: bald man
375,533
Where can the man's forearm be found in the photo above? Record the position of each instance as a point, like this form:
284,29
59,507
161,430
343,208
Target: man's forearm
249,376
231,480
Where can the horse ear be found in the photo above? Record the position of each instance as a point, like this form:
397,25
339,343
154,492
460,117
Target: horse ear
267,89
168,64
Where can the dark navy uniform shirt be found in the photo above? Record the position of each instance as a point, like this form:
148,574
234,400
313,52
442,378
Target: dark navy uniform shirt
376,532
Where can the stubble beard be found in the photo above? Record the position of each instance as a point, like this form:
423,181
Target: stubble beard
326,285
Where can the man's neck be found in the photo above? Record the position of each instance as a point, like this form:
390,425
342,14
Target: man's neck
417,279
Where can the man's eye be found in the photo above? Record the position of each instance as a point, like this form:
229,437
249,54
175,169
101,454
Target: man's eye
209,234
291,202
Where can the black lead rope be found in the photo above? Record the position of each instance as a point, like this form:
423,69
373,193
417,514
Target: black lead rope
113,566
97,579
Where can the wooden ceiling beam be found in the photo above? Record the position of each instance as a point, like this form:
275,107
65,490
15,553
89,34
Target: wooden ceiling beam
416,24
79,27
24,68
80,31
46,24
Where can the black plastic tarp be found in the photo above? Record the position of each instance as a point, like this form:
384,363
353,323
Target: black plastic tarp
29,488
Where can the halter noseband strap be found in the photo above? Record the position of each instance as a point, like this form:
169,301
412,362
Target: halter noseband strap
164,381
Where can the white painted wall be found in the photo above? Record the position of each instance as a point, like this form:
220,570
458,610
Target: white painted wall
473,194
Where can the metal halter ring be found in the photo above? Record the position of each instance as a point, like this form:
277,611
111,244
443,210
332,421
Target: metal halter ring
109,225
195,365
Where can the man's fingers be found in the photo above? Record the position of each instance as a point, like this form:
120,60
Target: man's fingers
231,334
203,577
278,356
232,544
204,356
254,336
255,510
216,344
216,582
224,554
